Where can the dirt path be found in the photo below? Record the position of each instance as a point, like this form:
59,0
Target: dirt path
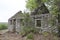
10,36
4,35
3,31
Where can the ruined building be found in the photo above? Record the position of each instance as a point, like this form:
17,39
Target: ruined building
40,19
15,22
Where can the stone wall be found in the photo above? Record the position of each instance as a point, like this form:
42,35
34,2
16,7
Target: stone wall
44,21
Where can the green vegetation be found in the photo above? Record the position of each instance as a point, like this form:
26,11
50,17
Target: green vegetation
52,5
30,36
28,26
3,26
27,30
45,33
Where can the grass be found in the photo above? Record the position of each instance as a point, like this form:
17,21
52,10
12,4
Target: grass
3,25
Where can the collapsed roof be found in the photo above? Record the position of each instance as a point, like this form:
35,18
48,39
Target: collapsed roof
42,9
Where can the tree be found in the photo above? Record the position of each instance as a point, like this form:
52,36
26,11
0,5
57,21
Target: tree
55,10
57,3
32,4
52,5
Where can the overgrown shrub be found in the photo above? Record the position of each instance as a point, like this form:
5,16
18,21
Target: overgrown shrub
27,30
28,25
30,36
45,33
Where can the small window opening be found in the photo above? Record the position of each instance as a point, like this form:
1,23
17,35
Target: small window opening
10,22
38,23
14,21
22,22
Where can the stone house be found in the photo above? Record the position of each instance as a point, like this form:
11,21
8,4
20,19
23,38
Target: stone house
40,19
15,22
